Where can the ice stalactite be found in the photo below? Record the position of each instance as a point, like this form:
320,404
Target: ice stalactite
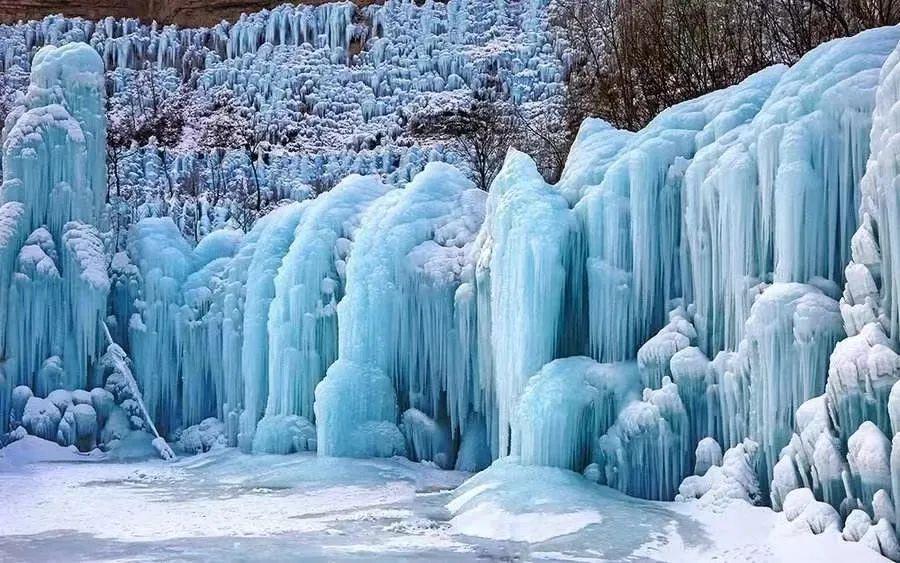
707,455
855,415
526,245
813,459
787,153
407,262
596,147
199,363
869,457
85,286
698,384
32,326
164,260
655,356
302,324
270,249
428,439
632,219
789,335
225,323
752,198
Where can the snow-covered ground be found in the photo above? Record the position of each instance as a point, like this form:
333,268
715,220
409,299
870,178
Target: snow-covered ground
225,504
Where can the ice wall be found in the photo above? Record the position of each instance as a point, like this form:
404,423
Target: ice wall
164,260
54,267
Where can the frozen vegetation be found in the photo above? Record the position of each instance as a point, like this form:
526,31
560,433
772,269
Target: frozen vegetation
703,310
215,126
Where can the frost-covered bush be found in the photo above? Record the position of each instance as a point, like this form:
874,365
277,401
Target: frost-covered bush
735,478
284,434
803,510
202,437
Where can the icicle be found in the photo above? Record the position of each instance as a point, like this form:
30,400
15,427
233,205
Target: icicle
271,247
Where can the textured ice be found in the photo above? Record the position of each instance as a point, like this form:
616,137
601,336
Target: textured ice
789,336
651,434
632,218
566,407
407,263
302,323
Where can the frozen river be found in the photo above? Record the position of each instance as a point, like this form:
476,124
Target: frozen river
227,506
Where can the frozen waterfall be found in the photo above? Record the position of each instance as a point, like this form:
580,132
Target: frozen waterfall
721,281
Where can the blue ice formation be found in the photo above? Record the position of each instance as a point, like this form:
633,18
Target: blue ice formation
53,271
63,378
719,281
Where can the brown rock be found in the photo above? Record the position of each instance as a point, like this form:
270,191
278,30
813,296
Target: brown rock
188,13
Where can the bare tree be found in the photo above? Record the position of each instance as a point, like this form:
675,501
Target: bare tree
480,135
482,138
634,58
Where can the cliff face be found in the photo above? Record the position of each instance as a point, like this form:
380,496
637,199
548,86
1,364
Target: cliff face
191,13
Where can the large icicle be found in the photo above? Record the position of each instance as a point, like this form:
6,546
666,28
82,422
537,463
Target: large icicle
271,247
164,260
302,325
632,220
408,260
526,243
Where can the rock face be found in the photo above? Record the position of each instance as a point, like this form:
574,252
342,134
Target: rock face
191,13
